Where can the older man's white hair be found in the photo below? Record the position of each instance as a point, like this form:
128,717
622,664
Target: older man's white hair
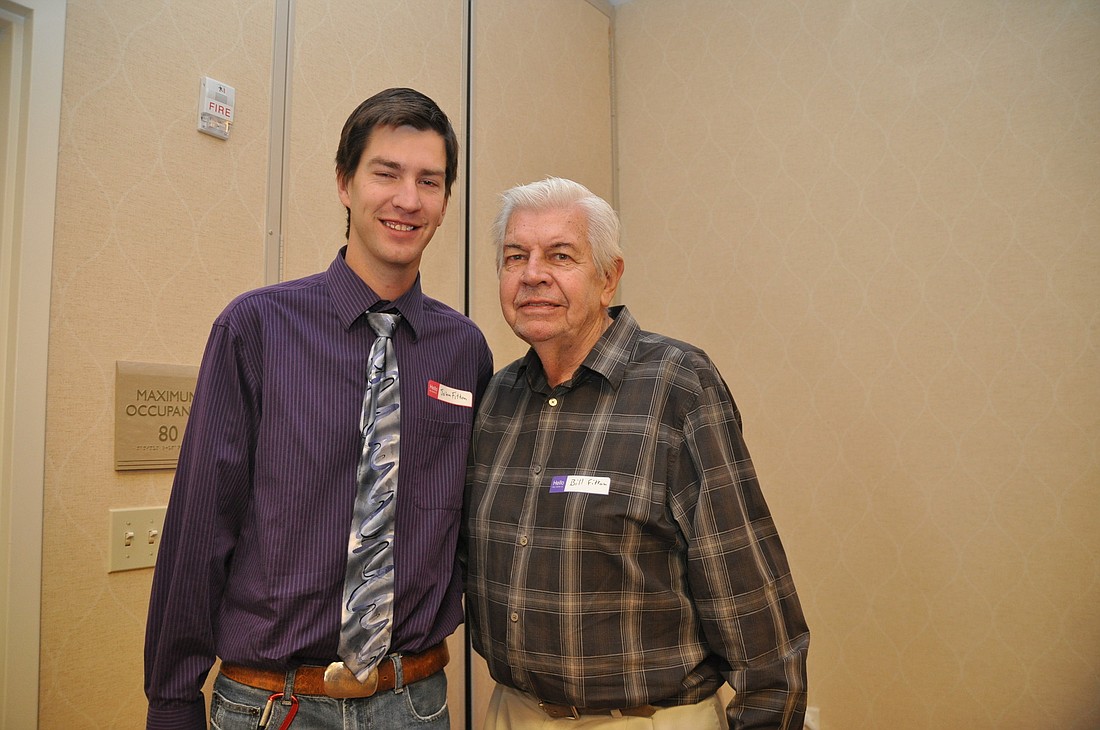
556,193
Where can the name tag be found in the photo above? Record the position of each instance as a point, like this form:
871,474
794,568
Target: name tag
580,483
454,396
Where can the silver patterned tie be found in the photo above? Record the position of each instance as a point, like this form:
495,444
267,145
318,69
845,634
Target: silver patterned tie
369,583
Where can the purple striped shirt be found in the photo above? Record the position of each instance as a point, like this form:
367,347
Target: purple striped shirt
251,567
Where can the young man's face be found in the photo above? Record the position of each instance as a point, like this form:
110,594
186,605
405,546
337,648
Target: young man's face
397,198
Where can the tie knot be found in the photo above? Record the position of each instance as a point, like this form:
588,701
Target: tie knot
383,323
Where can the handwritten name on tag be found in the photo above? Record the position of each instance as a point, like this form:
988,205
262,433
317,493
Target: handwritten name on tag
580,483
454,396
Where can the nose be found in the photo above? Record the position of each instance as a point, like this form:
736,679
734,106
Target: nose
407,195
534,271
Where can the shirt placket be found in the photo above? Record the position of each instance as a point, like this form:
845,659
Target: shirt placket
543,410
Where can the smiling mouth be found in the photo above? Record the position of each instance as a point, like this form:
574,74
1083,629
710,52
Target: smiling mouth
398,226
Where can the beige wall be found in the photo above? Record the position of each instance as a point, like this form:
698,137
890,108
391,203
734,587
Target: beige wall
157,227
890,210
882,220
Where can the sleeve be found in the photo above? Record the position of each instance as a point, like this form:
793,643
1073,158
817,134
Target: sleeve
484,375
484,368
209,496
737,569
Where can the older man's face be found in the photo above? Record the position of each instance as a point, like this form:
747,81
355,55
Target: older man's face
550,291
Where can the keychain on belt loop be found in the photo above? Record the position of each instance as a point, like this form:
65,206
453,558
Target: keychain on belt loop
287,699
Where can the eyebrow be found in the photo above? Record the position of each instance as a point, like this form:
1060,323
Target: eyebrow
557,246
394,165
560,245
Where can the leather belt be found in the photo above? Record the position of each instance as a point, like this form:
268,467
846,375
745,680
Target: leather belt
336,680
574,713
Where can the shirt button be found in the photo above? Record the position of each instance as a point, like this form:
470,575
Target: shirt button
553,401
523,541
537,468
514,617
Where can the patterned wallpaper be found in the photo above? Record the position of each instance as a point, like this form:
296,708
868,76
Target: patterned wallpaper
883,221
881,218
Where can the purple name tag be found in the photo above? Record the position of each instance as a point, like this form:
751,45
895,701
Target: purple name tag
580,483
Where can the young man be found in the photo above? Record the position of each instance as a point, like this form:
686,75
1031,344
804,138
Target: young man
622,562
255,558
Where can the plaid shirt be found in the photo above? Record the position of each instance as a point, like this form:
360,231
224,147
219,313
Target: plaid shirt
619,549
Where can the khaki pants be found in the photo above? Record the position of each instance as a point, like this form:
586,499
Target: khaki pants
510,709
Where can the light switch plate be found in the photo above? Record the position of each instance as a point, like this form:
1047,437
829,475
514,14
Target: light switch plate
134,537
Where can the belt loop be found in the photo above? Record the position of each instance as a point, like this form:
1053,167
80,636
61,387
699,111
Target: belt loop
288,686
398,674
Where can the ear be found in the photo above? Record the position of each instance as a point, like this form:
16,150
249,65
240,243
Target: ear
342,189
611,281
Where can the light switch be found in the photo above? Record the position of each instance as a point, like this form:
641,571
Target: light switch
134,537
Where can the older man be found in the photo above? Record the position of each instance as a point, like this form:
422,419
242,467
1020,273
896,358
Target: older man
622,562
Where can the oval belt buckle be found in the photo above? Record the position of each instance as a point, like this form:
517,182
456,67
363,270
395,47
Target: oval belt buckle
341,682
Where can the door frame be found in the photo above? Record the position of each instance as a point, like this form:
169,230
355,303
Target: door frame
33,122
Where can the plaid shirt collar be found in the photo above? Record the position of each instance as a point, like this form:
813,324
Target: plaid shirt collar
608,358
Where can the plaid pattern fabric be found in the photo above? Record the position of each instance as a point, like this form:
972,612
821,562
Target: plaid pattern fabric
660,574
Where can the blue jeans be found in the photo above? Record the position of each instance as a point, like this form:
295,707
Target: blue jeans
423,704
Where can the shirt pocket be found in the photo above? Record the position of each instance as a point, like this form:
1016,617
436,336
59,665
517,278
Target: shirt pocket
438,458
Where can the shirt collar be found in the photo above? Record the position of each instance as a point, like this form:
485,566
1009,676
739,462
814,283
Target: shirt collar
608,357
352,297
